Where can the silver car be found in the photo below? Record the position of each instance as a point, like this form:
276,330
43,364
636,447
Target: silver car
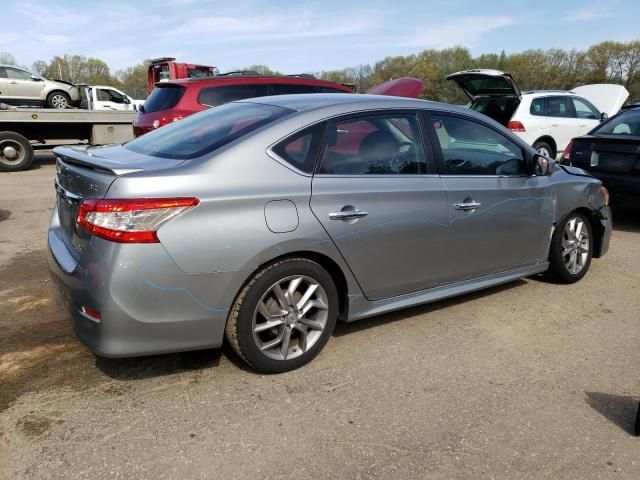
20,87
266,220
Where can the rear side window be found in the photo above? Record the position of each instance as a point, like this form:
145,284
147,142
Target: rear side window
470,148
301,149
206,131
537,107
214,96
560,107
163,98
374,145
283,89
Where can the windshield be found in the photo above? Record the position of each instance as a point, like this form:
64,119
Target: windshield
627,123
206,131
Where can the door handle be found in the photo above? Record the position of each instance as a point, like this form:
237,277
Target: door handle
555,124
347,215
13,83
467,206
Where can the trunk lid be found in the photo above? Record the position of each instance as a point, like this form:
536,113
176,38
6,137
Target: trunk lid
607,153
486,83
88,172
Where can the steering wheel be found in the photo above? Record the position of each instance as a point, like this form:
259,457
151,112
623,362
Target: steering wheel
400,158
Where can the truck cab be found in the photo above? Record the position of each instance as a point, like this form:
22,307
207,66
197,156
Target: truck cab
104,97
166,68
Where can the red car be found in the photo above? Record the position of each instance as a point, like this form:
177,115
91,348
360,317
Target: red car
176,99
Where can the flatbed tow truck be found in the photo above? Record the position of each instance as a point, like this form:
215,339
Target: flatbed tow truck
24,129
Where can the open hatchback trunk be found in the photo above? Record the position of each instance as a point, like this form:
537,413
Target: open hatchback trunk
492,92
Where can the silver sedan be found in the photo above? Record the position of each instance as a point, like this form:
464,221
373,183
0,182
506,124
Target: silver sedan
265,221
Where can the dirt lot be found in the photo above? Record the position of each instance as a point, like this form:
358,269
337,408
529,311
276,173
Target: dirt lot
529,380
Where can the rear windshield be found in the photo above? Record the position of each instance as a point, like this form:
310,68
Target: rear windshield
206,131
488,86
627,123
163,98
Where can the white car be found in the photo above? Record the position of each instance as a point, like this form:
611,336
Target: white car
20,87
546,119
104,97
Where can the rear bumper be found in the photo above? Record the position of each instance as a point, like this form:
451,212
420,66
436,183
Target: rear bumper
147,305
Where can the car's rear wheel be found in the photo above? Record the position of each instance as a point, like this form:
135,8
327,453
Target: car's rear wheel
283,316
16,153
571,248
545,149
59,100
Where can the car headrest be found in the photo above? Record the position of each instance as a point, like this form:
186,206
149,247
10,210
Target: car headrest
378,146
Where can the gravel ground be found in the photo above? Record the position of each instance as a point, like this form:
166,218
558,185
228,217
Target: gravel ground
528,380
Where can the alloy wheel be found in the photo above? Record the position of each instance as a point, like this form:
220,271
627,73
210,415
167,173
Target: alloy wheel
290,317
575,245
59,101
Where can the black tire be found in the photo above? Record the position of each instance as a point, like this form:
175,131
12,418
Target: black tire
637,429
16,152
53,102
557,268
239,328
540,145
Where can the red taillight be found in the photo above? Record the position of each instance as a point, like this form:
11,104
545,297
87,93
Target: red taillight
89,312
130,220
566,155
166,120
516,126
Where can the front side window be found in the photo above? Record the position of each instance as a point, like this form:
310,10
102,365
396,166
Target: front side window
537,107
301,149
560,107
16,74
214,96
206,131
584,109
627,123
470,148
374,145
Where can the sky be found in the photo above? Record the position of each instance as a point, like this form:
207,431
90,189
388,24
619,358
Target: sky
301,36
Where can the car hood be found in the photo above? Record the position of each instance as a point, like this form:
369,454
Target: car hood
575,171
606,97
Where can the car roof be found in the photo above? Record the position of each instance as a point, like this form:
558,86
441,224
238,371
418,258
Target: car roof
355,101
243,79
548,92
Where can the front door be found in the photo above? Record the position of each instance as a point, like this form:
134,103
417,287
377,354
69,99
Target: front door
500,218
109,99
385,213
22,86
587,114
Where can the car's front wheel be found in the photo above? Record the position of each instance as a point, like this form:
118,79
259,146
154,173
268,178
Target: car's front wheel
571,248
283,316
58,100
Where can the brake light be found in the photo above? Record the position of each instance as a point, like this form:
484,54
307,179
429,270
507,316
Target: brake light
130,220
516,126
165,120
566,155
605,194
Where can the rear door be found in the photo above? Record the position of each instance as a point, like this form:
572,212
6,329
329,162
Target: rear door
563,123
376,194
500,218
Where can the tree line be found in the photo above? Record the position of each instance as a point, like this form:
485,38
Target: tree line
606,62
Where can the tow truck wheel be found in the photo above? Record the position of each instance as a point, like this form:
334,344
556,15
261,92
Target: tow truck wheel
59,100
16,153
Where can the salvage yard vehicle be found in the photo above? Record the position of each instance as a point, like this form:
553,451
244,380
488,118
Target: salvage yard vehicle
171,101
546,119
166,68
20,87
266,220
23,129
611,153
104,97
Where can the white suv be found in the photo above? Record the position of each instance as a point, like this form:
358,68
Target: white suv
546,119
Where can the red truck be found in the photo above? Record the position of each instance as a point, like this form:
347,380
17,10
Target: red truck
166,68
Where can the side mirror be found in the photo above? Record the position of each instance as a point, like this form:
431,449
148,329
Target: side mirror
36,78
542,165
604,116
126,101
